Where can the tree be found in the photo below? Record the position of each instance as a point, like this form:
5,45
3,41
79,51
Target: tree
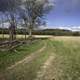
2,25
10,6
23,16
35,12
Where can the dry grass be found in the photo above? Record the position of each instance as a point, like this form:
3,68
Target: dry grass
64,66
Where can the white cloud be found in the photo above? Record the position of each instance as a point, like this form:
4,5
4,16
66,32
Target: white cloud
72,28
66,28
5,25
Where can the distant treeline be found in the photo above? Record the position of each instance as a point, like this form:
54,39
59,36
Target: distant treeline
55,32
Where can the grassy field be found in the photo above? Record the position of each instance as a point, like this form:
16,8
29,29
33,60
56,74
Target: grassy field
10,57
23,36
67,62
64,66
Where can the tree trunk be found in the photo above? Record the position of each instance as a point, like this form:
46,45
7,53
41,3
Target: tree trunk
25,35
2,28
12,32
12,27
30,32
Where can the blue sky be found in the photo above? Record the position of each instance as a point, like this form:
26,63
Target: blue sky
65,13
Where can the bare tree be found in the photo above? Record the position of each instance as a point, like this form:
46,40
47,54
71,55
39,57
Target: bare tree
2,27
33,15
36,10
10,6
23,16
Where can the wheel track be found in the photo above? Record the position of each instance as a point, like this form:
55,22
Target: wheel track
45,72
28,58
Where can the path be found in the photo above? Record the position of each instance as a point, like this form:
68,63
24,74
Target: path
46,72
28,58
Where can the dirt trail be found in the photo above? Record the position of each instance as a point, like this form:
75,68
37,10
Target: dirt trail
28,58
45,72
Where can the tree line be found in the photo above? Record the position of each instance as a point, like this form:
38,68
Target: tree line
54,32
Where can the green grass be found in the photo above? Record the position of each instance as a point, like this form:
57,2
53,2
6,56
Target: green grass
65,66
10,57
28,71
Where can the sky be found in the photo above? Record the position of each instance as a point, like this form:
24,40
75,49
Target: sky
66,13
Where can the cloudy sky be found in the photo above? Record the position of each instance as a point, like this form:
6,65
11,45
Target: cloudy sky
65,13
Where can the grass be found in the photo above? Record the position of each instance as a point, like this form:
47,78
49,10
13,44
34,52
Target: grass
28,71
65,66
10,57
67,61
19,36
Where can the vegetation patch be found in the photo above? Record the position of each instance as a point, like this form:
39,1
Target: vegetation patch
67,61
28,70
10,57
64,66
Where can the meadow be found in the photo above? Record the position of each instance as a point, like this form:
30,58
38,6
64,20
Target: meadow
55,58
